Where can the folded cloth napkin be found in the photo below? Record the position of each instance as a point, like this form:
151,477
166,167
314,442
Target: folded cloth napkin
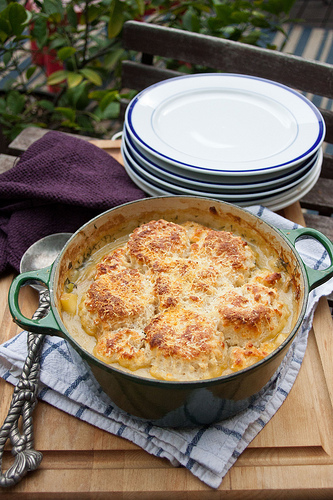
57,185
208,451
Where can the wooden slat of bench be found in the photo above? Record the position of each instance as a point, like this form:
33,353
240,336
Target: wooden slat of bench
320,197
31,134
139,76
6,162
320,222
328,118
229,56
327,167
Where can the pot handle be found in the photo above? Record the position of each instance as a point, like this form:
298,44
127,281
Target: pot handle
315,277
45,325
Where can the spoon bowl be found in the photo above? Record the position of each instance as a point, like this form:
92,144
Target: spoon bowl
41,254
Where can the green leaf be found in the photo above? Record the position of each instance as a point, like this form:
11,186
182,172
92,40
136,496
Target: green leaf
17,17
240,17
111,112
191,21
3,36
51,7
7,57
223,13
73,79
107,99
85,123
70,124
58,42
65,52
93,13
252,38
30,72
287,5
128,95
92,76
78,96
40,32
141,6
16,102
57,77
2,105
97,94
116,20
5,26
72,16
48,105
113,57
260,22
66,112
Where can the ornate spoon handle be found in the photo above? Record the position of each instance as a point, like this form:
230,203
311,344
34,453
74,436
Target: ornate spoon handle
22,405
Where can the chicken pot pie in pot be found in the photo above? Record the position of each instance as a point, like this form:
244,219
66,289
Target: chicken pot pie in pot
180,302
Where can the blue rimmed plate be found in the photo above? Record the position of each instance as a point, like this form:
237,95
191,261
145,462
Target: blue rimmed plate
224,124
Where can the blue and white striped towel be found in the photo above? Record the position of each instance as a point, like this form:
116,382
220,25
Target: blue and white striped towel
208,452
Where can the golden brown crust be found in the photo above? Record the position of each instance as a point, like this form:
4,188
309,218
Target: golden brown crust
221,247
250,313
117,299
241,358
115,261
182,333
184,345
126,347
157,241
185,301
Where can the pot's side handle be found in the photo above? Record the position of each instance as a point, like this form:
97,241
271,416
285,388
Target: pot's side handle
315,277
46,325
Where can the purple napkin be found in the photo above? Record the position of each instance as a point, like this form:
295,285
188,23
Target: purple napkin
57,185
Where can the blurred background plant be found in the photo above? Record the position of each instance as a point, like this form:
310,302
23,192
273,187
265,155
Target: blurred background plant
60,60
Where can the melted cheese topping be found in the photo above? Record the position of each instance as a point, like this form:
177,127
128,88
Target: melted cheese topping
182,302
252,313
185,346
157,242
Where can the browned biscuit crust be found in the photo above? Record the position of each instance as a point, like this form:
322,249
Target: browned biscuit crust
185,302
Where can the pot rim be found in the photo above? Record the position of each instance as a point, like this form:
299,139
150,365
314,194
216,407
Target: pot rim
187,383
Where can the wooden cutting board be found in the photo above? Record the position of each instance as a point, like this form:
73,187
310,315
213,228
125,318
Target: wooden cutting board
291,458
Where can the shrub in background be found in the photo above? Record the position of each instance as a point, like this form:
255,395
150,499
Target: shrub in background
60,60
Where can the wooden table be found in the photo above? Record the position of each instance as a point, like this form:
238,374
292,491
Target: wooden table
291,458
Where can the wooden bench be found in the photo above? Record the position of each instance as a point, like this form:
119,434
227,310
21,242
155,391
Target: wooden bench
155,42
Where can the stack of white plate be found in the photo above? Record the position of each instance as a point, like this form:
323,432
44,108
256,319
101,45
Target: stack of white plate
236,138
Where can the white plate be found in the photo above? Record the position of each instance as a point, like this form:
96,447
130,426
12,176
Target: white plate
158,172
235,196
225,123
216,177
274,203
298,191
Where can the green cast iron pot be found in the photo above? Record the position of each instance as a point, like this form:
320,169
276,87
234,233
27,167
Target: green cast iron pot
175,404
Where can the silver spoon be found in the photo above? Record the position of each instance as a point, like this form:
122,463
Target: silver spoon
41,254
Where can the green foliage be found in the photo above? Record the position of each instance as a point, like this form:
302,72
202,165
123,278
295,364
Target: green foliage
248,21
82,39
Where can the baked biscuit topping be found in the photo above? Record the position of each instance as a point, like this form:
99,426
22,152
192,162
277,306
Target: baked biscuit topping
119,298
184,302
126,347
243,357
157,242
252,312
185,346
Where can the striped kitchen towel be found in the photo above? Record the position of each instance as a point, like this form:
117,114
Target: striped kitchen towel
207,451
